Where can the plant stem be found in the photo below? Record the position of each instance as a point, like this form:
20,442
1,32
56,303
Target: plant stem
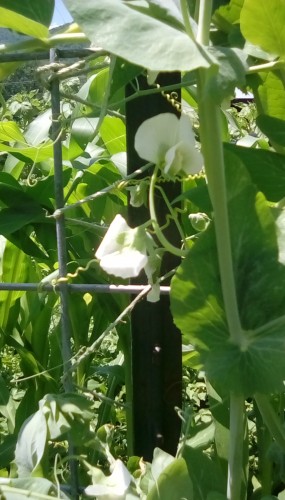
235,465
205,14
212,149
271,419
186,19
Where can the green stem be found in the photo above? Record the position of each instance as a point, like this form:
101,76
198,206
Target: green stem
271,419
186,19
164,242
235,464
205,15
212,148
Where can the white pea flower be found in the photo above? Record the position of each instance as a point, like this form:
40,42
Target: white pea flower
123,251
169,141
111,487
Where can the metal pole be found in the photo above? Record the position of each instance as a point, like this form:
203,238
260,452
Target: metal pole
156,342
62,259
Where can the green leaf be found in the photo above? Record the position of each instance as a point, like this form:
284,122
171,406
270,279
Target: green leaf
15,265
123,73
29,487
226,16
40,11
38,130
231,73
9,131
173,482
266,168
18,22
35,153
206,474
137,37
262,23
162,10
196,296
113,133
13,219
269,93
7,450
31,444
273,127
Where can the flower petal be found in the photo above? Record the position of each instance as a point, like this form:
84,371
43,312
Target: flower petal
186,133
183,159
156,135
127,263
109,243
113,487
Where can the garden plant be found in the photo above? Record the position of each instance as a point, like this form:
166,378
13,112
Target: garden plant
66,354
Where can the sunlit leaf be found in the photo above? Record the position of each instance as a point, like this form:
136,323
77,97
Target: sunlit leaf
31,444
173,482
106,24
197,302
266,168
273,127
113,133
40,11
18,22
262,24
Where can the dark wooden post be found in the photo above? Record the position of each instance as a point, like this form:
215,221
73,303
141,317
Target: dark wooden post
156,343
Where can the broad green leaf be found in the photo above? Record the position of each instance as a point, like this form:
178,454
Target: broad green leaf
36,154
173,482
7,450
92,91
13,219
262,23
9,131
6,69
161,460
205,473
83,130
228,15
269,93
203,438
37,131
21,488
231,73
137,37
273,127
123,73
15,266
266,168
113,133
17,22
62,410
40,11
163,10
31,444
196,296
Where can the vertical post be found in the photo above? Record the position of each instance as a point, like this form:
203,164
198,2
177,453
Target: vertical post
156,343
62,256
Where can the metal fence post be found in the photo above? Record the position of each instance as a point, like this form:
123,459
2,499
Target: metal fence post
62,260
156,343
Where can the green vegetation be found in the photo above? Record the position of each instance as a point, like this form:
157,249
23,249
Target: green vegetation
66,403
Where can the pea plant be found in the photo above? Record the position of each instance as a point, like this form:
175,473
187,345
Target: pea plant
227,294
